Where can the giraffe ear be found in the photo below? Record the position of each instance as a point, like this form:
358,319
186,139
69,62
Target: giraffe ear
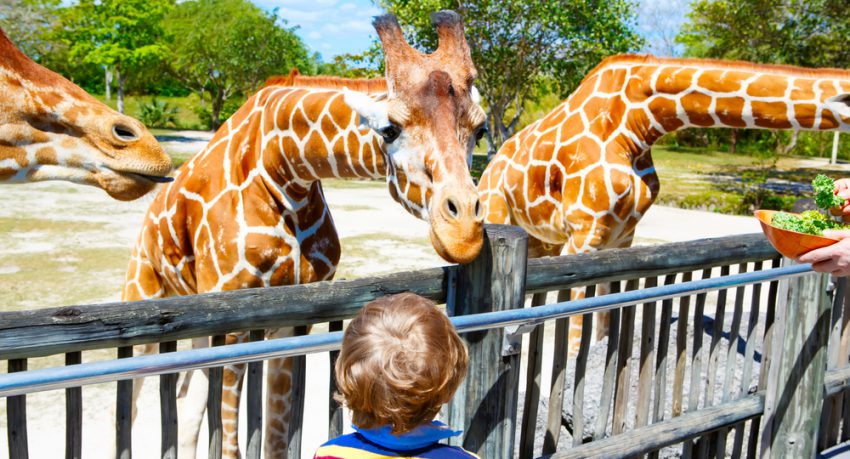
475,95
373,113
839,104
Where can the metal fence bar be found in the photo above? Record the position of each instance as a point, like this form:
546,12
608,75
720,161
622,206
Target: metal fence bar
150,365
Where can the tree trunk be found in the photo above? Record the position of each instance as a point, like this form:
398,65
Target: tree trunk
786,149
120,98
108,78
733,141
498,132
217,104
201,96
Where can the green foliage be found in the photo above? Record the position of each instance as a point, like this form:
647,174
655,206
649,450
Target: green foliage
809,222
124,34
249,46
227,110
158,113
824,193
523,47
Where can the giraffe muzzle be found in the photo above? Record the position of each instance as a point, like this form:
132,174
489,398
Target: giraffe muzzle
457,225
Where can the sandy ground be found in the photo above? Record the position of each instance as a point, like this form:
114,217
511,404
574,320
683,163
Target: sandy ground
49,229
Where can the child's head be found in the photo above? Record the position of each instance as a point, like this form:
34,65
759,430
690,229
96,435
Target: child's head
401,360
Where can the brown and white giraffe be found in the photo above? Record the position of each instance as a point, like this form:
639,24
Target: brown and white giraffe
582,176
50,129
248,211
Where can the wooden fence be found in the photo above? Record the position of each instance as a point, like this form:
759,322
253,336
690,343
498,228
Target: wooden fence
746,371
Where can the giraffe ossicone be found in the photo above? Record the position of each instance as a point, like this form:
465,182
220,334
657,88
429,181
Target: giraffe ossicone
582,176
248,211
50,129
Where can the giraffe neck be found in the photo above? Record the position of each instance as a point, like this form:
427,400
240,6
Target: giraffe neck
673,94
293,137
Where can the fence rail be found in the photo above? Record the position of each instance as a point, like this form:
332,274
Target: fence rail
680,391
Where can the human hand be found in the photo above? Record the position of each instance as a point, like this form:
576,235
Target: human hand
842,189
833,259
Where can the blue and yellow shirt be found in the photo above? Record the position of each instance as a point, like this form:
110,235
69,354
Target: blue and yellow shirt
379,443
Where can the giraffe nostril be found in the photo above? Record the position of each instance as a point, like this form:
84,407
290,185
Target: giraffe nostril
124,133
451,207
477,208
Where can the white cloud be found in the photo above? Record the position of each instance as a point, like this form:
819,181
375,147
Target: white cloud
330,26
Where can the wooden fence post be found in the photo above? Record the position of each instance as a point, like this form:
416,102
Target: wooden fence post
794,398
485,405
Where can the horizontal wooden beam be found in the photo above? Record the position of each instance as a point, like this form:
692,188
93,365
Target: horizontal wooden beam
557,273
42,332
656,436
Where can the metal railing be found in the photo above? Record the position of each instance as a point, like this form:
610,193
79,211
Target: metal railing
158,364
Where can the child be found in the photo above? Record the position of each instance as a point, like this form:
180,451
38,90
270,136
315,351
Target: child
401,360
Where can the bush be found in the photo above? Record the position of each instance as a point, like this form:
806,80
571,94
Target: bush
158,113
230,107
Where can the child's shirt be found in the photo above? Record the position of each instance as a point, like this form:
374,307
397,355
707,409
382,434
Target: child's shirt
379,443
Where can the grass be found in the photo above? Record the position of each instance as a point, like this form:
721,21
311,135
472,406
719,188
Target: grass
729,183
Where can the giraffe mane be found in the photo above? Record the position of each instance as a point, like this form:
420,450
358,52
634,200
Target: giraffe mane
649,59
295,79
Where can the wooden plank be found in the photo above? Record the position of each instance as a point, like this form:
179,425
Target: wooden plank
747,371
168,407
334,407
794,397
16,417
681,349
608,381
656,436
553,273
696,359
581,370
254,408
556,388
75,328
73,414
831,418
485,405
716,334
772,293
730,390
299,379
845,350
647,356
532,385
124,411
216,376
665,323
660,389
624,364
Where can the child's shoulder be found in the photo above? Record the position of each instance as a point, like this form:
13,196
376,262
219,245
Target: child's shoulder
354,446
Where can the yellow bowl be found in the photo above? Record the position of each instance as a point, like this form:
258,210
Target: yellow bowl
790,243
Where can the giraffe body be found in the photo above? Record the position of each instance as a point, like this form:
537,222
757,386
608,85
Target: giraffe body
582,176
50,129
248,211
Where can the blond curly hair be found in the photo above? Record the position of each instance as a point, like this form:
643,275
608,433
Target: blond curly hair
401,360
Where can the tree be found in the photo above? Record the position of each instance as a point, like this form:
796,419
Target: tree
797,32
228,47
519,46
123,35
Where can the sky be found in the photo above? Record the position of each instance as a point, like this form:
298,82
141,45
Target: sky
334,27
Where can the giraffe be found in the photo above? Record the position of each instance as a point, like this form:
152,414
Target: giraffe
50,129
248,211
582,176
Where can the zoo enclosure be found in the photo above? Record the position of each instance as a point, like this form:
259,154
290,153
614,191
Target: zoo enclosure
665,411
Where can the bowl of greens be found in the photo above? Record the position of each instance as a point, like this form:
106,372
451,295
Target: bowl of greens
795,234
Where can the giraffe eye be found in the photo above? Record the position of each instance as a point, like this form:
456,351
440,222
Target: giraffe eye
389,133
479,134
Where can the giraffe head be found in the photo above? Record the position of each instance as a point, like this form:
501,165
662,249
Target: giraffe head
430,121
50,129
